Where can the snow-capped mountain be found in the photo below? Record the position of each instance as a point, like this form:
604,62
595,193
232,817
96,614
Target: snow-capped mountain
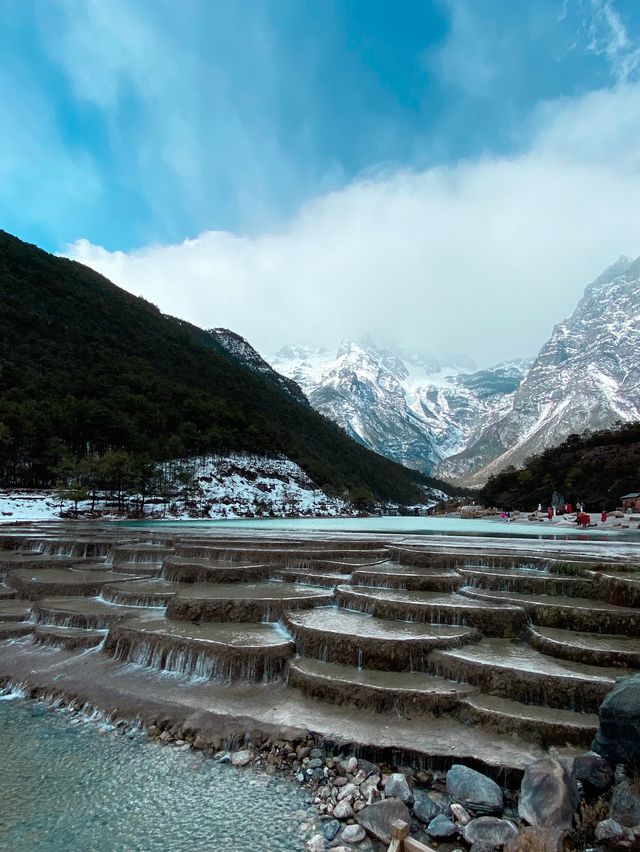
586,377
403,403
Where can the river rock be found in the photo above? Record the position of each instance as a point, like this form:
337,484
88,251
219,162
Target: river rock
425,809
593,771
352,834
398,787
376,819
610,829
330,829
441,826
474,790
548,796
343,810
317,843
370,784
490,830
460,814
618,737
241,758
347,790
625,804
368,768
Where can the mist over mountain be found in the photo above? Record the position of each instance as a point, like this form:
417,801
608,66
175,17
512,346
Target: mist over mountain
443,415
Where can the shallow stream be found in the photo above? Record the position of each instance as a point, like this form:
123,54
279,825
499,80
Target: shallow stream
66,784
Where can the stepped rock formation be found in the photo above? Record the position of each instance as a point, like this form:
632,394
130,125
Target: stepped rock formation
586,377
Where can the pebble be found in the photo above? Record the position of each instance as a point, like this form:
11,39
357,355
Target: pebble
347,790
343,810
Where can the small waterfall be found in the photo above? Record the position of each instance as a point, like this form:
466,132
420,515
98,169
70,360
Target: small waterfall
197,665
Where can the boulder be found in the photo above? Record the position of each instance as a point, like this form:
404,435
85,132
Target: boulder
398,787
347,790
490,830
317,843
610,829
474,790
425,809
618,737
368,786
625,804
548,796
441,826
352,834
593,771
376,819
241,758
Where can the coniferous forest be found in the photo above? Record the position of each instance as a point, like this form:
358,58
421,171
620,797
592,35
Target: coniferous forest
595,469
92,375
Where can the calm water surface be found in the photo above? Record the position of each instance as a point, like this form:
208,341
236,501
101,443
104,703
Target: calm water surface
66,786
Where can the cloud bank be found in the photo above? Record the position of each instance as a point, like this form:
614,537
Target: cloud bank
482,257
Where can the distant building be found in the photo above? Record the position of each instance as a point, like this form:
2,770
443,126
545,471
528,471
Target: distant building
631,502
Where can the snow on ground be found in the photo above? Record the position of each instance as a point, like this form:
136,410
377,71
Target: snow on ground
236,486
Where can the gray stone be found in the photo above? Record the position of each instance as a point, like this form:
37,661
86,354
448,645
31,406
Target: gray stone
241,758
343,810
376,819
315,763
369,785
352,834
424,808
330,829
368,768
398,787
618,737
548,796
347,790
610,829
441,826
316,753
488,829
460,814
593,771
474,790
625,804
317,843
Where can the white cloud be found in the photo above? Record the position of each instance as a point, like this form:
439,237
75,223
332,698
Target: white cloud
609,37
482,257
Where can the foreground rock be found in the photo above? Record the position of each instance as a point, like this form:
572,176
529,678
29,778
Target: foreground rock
548,796
490,831
593,771
376,819
474,790
618,737
625,804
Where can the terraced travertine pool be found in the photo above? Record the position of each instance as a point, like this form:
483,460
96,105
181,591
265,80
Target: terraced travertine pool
438,649
67,787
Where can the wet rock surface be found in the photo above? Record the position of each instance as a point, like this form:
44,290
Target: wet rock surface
378,817
549,796
490,831
618,737
474,790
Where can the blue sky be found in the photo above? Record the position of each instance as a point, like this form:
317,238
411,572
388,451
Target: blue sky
130,126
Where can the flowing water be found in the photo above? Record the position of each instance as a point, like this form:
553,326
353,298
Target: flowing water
69,785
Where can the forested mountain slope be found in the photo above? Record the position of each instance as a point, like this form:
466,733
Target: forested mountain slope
86,368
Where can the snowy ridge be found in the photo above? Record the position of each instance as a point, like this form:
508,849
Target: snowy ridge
234,486
586,377
243,351
402,403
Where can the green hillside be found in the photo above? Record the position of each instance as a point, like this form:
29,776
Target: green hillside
86,368
594,469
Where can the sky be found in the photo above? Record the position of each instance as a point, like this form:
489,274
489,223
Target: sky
451,173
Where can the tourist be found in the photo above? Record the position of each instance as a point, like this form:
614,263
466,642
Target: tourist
550,513
603,516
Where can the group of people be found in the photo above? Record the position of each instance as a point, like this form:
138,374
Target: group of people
583,519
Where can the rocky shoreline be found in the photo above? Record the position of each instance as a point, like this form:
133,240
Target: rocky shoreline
579,803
